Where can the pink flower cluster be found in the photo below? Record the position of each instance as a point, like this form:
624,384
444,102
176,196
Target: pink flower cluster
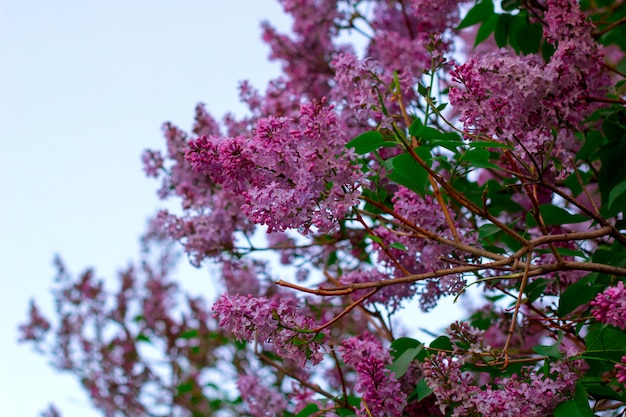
609,307
276,320
527,393
420,254
381,391
262,401
292,176
390,296
520,99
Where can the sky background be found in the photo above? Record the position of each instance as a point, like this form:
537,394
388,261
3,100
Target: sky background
85,86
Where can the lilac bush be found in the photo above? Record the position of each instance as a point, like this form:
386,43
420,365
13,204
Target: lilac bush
466,145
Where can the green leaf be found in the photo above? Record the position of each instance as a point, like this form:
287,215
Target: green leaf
553,216
576,407
551,351
602,391
482,144
374,238
184,387
536,289
510,5
308,410
398,245
479,13
523,36
402,344
487,230
415,127
478,158
501,32
606,343
368,142
577,294
143,338
617,191
486,29
189,334
422,390
408,172
403,362
418,130
441,343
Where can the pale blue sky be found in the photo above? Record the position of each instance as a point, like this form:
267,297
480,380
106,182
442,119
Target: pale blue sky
85,86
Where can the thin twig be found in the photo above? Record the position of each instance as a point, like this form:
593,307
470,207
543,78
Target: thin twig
518,303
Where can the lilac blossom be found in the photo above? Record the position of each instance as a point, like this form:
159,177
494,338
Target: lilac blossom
390,296
527,393
292,176
261,400
242,277
609,307
276,320
420,254
529,104
382,394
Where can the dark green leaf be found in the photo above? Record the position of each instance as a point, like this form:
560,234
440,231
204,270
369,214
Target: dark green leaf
479,13
535,289
617,191
553,215
408,172
441,343
184,387
401,344
368,142
143,338
523,36
486,29
308,410
602,391
576,407
189,334
422,390
398,245
481,144
606,343
577,294
501,32
478,158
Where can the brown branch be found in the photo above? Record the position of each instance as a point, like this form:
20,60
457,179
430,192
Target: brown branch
284,370
433,236
601,220
341,378
518,303
345,311
610,27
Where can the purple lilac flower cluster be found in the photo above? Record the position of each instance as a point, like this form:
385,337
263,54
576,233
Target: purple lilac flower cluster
420,254
381,391
292,176
527,393
261,400
390,296
520,99
609,307
276,320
